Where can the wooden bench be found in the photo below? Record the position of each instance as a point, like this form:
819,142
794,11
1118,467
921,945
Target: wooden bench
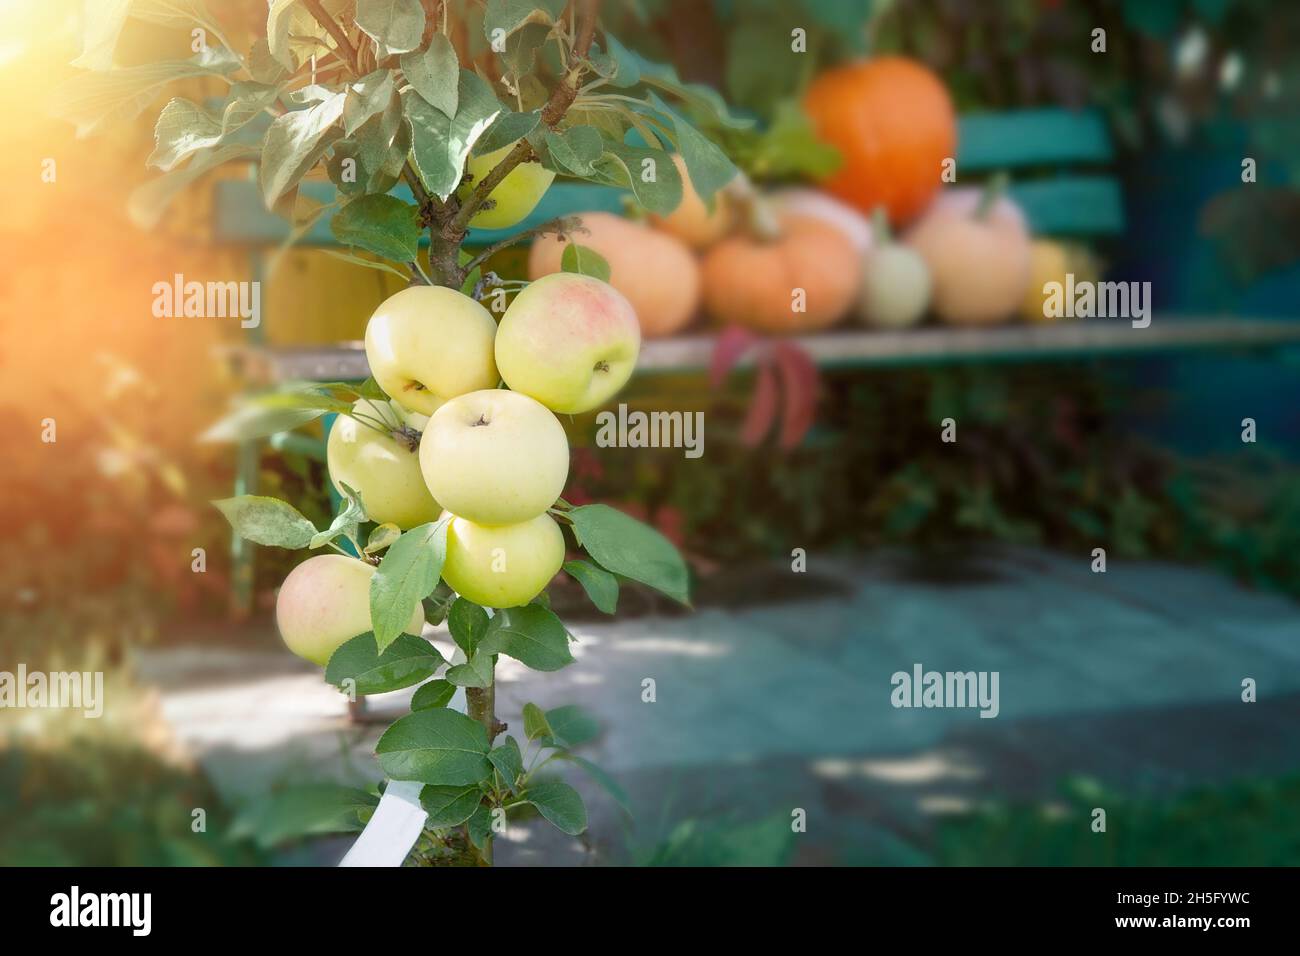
1058,160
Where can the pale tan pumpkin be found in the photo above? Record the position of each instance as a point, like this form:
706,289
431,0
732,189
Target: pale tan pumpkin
979,261
656,272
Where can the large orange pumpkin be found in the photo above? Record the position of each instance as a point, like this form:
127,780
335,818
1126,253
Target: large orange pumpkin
893,123
804,279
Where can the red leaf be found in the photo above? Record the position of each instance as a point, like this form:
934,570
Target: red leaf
762,406
799,382
728,349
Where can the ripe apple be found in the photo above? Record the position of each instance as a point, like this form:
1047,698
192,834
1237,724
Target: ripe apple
515,196
568,340
495,457
325,602
383,469
427,344
502,566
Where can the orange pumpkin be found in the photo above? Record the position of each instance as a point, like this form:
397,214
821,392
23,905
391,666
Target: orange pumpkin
893,122
656,272
979,261
804,279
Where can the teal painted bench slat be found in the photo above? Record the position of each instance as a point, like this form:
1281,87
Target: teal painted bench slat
1071,205
1024,138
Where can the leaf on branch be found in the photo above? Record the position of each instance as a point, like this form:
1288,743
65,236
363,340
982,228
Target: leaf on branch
709,167
532,635
367,97
571,726
250,421
623,545
477,110
295,142
574,150
560,804
408,573
501,18
303,810
435,746
508,761
649,173
436,693
600,585
381,224
103,22
449,806
435,74
149,202
508,129
627,70
430,135
475,672
267,521
397,25
347,523
381,537
584,261
95,100
535,724
408,660
468,623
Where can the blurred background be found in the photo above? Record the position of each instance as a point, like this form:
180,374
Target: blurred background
1121,690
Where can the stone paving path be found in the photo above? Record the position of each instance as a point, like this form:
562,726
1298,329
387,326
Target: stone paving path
1133,677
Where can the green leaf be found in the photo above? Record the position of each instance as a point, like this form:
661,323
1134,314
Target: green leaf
303,810
531,635
397,25
708,166
435,74
295,142
508,761
479,826
102,25
268,521
504,17
367,97
468,623
430,136
380,224
628,72
508,128
598,773
278,16
560,804
649,173
476,672
184,127
408,660
149,201
347,523
408,573
476,113
571,726
600,585
535,724
381,537
435,693
449,806
625,546
95,100
251,421
435,746
574,150
309,398
584,261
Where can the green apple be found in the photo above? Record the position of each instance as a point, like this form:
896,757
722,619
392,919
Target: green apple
568,340
427,344
514,197
495,457
502,566
385,470
325,602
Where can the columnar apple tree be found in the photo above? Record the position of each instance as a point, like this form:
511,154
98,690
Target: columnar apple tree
449,460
